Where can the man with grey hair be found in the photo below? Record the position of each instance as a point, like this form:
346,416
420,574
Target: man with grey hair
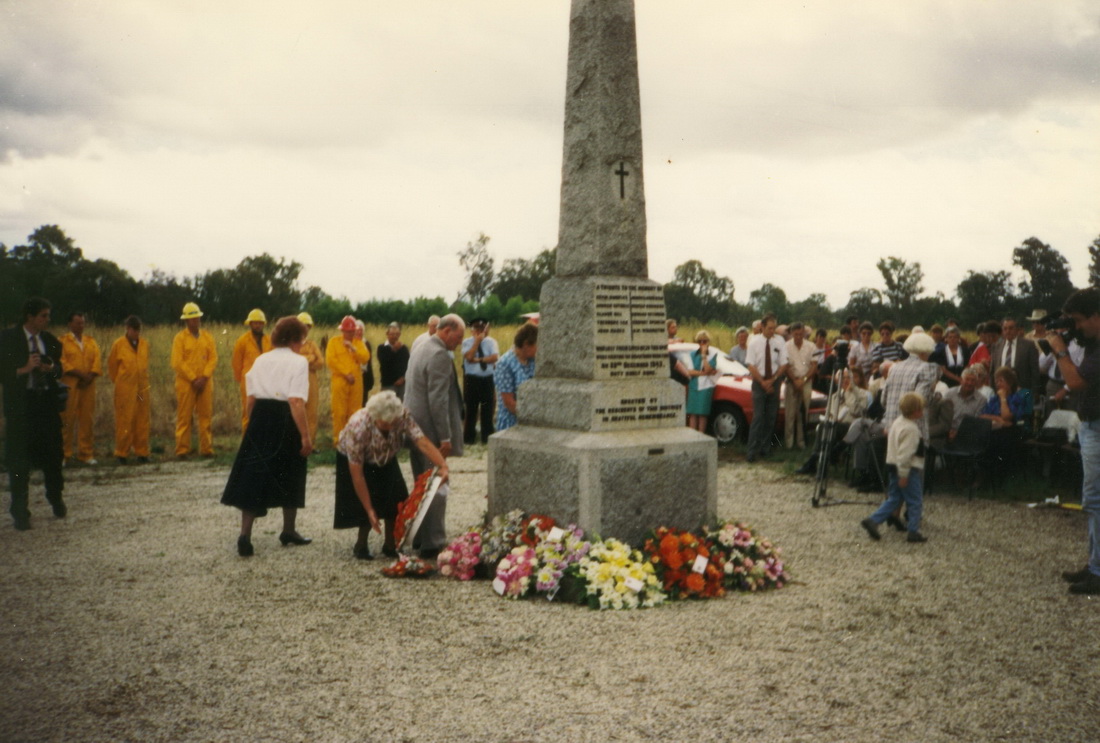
965,399
433,397
433,327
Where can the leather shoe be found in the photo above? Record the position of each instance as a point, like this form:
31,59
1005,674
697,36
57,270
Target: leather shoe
59,509
244,546
389,552
1076,577
916,536
429,554
362,553
22,523
1087,587
895,522
870,528
293,537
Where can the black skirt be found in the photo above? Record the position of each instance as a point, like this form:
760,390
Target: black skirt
387,490
269,471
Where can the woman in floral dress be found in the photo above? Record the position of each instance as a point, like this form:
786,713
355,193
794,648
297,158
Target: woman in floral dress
369,483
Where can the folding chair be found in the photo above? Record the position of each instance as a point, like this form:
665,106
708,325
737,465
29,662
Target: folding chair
971,444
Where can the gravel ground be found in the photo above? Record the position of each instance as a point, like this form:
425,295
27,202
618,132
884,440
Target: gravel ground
134,620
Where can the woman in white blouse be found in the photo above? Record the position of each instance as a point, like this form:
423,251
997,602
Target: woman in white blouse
270,468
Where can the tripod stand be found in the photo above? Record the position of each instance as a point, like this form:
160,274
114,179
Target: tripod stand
824,448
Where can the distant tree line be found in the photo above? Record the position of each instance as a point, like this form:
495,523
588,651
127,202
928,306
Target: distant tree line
51,265
697,293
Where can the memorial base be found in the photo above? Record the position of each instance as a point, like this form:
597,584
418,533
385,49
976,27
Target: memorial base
615,484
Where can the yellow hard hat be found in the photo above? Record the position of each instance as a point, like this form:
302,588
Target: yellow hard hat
305,318
255,316
190,310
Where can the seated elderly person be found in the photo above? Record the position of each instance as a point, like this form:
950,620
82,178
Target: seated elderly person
847,404
369,483
965,399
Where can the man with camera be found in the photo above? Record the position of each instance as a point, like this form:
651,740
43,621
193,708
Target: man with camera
30,365
1083,307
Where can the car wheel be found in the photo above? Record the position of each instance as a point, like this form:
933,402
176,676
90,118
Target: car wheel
727,423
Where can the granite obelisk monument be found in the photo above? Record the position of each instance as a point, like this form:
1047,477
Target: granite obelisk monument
601,439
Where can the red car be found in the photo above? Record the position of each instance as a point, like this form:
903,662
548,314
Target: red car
731,410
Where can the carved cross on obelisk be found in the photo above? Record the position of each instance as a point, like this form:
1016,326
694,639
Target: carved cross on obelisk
602,230
601,440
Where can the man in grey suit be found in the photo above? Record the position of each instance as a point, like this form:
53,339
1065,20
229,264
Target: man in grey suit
433,397
1021,354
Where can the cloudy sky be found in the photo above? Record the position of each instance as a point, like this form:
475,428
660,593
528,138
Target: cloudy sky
372,140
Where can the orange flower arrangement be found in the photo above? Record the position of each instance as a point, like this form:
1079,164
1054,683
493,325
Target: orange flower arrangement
674,553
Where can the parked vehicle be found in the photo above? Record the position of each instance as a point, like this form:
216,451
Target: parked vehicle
731,410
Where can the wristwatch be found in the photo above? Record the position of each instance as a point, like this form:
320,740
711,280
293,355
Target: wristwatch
1061,354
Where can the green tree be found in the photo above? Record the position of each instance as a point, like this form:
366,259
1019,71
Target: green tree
520,277
1094,263
903,284
478,265
100,289
984,296
699,293
163,297
261,281
1048,282
813,311
770,298
866,303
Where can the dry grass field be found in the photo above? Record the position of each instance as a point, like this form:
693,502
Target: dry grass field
227,402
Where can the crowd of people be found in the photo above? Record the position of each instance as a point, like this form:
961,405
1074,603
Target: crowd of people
908,395
899,401
49,394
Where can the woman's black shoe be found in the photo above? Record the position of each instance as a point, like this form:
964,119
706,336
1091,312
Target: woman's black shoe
362,553
244,546
293,537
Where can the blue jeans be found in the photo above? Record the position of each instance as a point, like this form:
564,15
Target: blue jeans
911,494
1089,436
765,409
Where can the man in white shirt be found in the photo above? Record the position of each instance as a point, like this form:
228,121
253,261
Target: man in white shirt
767,362
796,401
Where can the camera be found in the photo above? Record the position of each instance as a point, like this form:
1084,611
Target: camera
1064,326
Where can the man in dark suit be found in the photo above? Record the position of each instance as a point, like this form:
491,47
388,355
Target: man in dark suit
1021,354
435,402
30,365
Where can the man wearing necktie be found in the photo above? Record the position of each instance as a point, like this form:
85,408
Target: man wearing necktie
1018,353
766,359
30,365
